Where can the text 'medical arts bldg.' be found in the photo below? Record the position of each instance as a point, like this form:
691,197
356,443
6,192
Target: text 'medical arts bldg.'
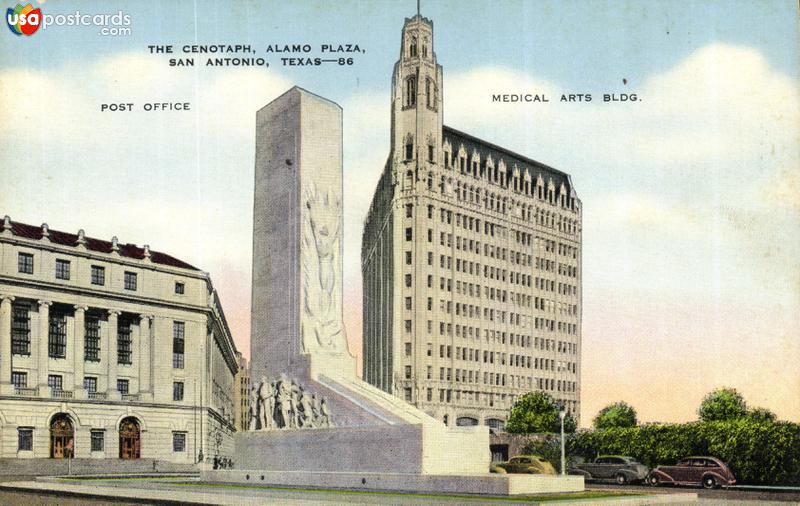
471,261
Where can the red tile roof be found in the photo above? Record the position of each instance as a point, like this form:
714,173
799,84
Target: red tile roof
125,250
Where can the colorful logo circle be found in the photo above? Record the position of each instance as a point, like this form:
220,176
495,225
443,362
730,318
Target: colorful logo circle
23,20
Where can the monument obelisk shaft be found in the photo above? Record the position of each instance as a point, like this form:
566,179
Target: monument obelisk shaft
297,228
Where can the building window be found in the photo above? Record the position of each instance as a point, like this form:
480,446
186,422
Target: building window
122,386
408,325
57,337
408,372
98,275
408,233
130,281
55,382
177,391
98,440
62,269
25,263
411,91
90,384
408,349
408,258
20,330
178,334
19,379
409,210
91,346
25,439
407,394
180,288
178,441
409,150
408,303
408,280
124,353
430,153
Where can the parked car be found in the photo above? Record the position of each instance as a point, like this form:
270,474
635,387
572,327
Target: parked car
529,464
619,468
710,472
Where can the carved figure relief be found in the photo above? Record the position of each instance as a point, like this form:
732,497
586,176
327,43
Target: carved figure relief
322,289
284,404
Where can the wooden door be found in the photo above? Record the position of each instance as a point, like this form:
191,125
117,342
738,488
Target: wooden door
129,439
62,438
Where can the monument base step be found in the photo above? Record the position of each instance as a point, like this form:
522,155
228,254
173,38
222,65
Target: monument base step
488,484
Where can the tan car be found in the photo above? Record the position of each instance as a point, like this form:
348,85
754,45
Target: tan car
528,464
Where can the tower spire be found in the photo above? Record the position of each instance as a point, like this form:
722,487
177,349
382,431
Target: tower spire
417,8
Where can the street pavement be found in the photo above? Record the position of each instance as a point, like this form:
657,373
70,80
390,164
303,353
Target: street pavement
178,491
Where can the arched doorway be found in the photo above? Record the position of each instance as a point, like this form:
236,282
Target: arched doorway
129,439
62,437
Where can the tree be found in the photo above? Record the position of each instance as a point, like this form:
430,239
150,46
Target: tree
761,415
722,404
619,414
537,412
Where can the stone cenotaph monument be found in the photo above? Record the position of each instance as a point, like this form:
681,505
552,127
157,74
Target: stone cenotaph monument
313,422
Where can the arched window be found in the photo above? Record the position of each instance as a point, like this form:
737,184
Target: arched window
409,147
411,91
412,48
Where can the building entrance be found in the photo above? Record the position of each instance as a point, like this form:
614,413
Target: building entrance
62,438
129,439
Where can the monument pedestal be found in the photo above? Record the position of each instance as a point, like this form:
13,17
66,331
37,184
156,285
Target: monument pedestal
485,484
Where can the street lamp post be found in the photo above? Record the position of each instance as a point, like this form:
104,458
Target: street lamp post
563,414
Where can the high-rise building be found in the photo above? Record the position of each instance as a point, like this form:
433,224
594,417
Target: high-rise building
471,262
110,350
241,397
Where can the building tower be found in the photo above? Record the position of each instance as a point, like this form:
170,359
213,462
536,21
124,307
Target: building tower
470,261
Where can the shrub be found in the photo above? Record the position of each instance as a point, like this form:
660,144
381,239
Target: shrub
758,452
722,404
537,412
619,414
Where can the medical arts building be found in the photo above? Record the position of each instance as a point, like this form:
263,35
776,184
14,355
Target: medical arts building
109,351
471,262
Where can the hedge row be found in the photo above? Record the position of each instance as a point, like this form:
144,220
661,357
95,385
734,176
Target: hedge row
759,453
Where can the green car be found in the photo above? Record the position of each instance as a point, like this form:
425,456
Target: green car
528,464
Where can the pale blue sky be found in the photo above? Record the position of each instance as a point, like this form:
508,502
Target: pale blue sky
691,197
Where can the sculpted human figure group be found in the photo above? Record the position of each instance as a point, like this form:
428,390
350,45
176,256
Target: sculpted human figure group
283,404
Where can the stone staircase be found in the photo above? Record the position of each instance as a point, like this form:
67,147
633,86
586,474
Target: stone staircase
56,467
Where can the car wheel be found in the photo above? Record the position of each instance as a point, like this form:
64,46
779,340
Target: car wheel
622,479
709,482
654,481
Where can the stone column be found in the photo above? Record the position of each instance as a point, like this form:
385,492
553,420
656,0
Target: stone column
145,362
5,344
111,390
43,362
78,350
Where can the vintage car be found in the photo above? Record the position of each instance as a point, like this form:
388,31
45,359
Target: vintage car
621,469
529,464
710,472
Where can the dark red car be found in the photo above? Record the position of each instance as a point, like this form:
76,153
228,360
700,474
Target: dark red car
710,472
